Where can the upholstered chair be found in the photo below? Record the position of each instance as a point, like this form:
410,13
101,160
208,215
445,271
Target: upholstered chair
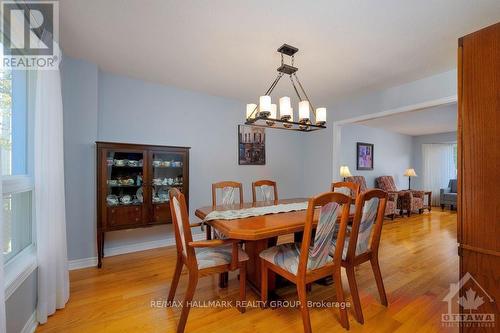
360,180
390,207
448,196
231,193
362,243
266,189
202,258
407,200
308,261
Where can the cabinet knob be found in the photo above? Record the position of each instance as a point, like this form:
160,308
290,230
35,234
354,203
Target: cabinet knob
137,219
136,209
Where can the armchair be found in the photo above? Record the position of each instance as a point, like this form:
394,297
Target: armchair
407,200
448,196
390,207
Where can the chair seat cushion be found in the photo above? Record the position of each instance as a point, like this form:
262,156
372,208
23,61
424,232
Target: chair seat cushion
217,256
287,257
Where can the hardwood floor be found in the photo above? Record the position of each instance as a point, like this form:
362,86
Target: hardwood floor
418,259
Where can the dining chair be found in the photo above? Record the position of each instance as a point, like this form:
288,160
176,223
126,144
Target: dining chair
202,258
363,242
267,188
348,188
227,189
303,263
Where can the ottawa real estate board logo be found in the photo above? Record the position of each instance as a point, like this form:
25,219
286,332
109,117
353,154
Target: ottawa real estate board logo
30,32
473,300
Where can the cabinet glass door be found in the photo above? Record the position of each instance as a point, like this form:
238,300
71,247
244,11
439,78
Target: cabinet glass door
168,172
124,181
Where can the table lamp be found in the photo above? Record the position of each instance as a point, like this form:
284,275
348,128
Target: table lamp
410,172
344,171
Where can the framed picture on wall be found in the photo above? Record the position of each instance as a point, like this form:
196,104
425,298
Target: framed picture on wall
251,145
364,156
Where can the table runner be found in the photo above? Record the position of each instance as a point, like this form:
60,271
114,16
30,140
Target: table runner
254,211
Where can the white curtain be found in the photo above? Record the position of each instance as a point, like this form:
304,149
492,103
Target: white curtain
438,167
53,277
2,281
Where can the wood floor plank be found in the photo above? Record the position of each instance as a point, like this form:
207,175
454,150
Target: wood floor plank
418,259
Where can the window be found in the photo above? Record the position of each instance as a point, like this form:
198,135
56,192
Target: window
17,180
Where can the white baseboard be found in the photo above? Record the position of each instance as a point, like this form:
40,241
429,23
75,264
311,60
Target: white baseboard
82,263
123,249
31,324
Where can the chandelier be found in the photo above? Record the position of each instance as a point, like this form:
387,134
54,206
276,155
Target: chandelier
265,114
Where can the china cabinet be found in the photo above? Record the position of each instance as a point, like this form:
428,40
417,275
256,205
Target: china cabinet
132,185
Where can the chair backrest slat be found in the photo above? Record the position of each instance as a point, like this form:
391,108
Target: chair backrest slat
331,205
348,188
267,188
367,223
228,192
180,219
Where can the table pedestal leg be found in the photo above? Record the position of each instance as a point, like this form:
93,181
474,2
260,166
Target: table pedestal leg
253,249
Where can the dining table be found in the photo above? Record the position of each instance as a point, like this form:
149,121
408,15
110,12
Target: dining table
260,232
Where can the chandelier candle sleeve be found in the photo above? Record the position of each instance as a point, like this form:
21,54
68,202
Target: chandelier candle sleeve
304,111
320,116
274,110
265,106
250,109
285,108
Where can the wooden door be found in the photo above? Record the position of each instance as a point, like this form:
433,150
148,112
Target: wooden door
479,175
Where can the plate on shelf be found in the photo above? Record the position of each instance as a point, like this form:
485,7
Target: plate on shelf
163,194
138,194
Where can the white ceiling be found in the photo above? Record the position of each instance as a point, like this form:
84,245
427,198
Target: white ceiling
438,119
227,47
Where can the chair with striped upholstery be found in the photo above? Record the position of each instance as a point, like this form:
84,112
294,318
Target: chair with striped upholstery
202,258
267,189
306,262
362,243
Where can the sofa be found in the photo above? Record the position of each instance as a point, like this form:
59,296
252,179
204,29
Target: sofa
390,207
408,201
448,196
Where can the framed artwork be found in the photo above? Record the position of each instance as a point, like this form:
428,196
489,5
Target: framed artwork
251,145
364,156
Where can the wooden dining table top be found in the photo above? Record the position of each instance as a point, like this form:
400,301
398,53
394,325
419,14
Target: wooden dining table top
259,227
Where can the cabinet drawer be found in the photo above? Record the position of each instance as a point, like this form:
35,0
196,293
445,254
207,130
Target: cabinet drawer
161,213
125,215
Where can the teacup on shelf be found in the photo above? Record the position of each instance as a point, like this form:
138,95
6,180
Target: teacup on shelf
126,199
112,182
133,163
157,163
112,200
157,181
119,162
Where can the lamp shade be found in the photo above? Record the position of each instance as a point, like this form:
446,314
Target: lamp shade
344,171
410,172
250,109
